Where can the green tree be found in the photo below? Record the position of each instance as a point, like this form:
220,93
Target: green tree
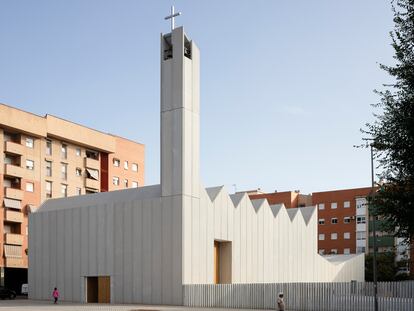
392,132
386,267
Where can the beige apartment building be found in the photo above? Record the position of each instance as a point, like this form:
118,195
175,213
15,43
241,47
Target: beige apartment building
47,157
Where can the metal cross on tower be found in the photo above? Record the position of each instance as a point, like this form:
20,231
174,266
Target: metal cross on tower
171,16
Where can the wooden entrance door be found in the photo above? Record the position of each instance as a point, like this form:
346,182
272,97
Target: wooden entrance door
222,262
98,289
104,289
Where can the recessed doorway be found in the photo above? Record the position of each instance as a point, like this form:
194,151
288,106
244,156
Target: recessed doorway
222,262
98,289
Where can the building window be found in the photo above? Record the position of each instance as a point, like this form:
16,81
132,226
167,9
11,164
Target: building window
347,251
347,235
360,219
361,235
29,142
92,174
126,183
334,236
78,191
115,181
134,184
134,167
30,164
91,154
334,220
64,190
7,136
321,206
360,250
126,165
361,203
334,205
49,168
321,237
48,189
78,171
8,160
7,183
347,220
334,251
321,252
321,221
7,228
116,162
78,152
347,204
64,171
64,151
29,186
48,147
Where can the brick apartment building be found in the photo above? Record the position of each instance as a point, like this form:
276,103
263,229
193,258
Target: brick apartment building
344,225
342,216
48,157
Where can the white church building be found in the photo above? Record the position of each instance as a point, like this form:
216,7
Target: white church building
142,245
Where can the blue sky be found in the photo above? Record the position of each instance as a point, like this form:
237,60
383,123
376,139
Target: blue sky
285,85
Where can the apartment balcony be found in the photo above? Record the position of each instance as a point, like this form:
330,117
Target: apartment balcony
14,148
14,170
11,262
92,183
13,255
14,239
92,163
13,216
13,193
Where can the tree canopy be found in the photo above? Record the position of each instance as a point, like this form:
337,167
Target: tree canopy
392,133
387,269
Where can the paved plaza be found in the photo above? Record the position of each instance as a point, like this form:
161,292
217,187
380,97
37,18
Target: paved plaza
25,304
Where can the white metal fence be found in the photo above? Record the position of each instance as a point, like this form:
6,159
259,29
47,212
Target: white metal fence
352,296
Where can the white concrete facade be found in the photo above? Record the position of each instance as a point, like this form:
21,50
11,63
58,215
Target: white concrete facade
152,240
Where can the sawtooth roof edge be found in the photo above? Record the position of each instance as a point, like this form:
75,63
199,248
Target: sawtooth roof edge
258,203
292,212
213,192
236,198
307,213
275,208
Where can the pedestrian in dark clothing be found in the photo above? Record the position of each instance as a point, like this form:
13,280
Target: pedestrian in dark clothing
280,303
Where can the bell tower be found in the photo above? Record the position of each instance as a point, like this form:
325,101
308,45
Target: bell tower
180,117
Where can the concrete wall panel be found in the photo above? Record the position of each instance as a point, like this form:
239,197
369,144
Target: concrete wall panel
271,244
138,244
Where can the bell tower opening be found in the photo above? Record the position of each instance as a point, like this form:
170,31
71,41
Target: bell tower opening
187,47
167,47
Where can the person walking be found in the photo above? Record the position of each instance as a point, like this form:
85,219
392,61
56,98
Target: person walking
280,302
55,295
